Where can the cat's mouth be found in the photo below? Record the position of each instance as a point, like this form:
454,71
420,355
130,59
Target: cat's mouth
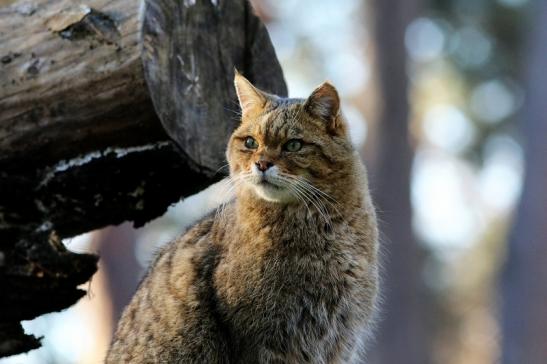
271,189
265,183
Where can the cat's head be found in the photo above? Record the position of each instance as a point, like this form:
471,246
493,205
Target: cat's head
284,148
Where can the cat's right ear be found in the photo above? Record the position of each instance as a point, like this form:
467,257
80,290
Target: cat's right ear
251,100
324,103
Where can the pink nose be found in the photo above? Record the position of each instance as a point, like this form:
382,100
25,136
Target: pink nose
263,165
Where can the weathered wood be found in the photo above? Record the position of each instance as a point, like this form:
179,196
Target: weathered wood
14,340
71,197
94,190
51,270
36,279
191,48
71,80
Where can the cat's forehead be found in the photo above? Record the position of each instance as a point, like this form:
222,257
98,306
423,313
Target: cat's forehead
282,111
281,120
282,104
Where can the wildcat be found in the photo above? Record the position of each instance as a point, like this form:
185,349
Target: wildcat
287,271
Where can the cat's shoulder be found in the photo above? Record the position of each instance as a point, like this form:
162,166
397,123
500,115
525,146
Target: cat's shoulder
187,240
200,229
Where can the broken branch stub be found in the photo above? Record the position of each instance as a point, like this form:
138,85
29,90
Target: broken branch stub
71,80
190,50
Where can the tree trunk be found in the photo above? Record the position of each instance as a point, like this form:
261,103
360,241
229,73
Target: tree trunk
401,334
524,285
71,80
81,146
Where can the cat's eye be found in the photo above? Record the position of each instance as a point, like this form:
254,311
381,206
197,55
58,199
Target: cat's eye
293,145
250,143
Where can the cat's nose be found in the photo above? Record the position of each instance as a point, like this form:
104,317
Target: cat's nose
263,165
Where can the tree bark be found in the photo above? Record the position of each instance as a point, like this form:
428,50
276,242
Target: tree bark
524,287
71,80
81,145
209,39
401,335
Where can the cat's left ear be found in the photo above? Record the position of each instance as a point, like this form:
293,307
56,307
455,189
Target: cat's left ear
324,103
251,99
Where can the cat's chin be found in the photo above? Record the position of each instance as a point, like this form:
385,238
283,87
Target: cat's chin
272,193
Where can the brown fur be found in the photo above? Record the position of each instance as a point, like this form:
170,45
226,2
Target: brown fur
293,280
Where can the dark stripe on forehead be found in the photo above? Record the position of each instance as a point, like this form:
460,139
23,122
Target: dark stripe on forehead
294,115
279,102
270,125
279,116
279,125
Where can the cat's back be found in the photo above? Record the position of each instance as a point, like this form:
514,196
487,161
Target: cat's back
168,308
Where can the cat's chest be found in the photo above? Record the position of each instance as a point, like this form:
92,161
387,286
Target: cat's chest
286,265
280,289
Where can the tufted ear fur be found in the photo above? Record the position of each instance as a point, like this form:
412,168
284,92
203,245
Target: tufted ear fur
251,99
324,103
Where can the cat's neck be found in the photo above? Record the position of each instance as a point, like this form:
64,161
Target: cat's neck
313,213
252,208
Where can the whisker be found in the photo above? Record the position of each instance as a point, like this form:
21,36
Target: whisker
316,202
220,213
326,195
317,197
316,192
231,183
222,167
321,192
299,195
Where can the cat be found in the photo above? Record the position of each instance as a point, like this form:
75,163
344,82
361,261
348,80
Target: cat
287,271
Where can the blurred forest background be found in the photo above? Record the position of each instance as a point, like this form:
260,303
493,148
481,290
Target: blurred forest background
446,100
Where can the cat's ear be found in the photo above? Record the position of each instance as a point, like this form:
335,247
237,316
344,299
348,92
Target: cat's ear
324,103
251,99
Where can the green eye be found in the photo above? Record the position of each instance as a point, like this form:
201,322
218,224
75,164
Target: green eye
250,143
293,145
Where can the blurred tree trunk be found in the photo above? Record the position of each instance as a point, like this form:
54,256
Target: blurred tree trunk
113,285
401,335
119,265
524,286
